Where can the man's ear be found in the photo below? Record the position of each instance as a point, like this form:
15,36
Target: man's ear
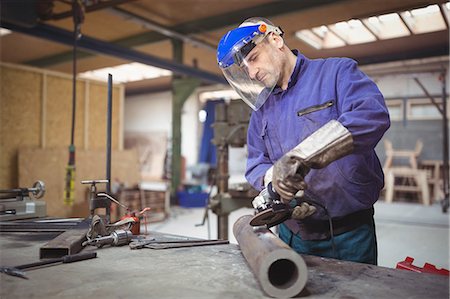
276,40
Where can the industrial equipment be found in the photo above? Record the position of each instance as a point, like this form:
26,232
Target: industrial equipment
230,130
116,238
269,211
98,205
21,203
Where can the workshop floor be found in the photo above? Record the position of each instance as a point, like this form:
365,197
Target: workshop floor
403,229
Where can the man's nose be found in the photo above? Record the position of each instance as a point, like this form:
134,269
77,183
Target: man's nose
252,71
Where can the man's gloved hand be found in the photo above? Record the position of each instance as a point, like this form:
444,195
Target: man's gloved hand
289,176
302,211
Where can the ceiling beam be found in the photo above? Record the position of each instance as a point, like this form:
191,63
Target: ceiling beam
87,8
103,48
438,50
194,27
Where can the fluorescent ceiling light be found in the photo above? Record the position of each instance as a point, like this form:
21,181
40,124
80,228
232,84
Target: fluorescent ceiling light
4,31
126,73
387,26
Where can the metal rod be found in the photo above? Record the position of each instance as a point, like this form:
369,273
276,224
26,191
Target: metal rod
114,200
222,226
281,272
162,29
74,79
104,48
445,173
65,259
429,95
108,136
89,8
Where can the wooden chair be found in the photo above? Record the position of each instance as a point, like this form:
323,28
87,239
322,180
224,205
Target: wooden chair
405,178
392,154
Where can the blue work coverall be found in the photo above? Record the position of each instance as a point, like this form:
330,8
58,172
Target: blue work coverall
320,90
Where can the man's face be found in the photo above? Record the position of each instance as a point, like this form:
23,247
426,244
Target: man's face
262,64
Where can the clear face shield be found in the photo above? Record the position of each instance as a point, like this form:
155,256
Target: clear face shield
234,50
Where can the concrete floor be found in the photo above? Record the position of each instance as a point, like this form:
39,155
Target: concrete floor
403,229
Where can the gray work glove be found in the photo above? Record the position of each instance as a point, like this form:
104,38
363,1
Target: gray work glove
302,211
289,176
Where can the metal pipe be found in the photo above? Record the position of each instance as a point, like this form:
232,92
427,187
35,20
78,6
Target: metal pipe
104,48
88,8
222,226
445,173
280,271
108,135
161,29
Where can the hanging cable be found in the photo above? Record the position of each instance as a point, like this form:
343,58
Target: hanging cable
78,18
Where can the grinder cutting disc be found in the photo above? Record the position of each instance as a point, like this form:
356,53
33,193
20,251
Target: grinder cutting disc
270,217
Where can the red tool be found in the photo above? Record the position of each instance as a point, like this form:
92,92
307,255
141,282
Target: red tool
427,268
136,226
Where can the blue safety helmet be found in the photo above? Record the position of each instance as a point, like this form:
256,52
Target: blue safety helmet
232,50
239,39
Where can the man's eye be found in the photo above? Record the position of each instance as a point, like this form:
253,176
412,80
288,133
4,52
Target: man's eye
252,58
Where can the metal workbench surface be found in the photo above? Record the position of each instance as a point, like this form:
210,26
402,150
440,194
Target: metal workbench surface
218,271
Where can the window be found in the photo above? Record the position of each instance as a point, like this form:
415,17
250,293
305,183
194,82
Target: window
395,108
423,109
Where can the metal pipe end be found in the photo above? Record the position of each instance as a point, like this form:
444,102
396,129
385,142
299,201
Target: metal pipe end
283,273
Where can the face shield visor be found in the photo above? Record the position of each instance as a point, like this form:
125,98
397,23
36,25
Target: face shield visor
232,54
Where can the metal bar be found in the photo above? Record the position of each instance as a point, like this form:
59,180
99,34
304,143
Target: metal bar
445,173
338,36
281,272
64,259
89,8
203,25
429,95
162,29
444,15
108,135
187,244
222,225
405,23
10,226
66,243
105,48
370,30
436,50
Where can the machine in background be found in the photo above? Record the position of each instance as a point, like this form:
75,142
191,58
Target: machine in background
230,130
21,203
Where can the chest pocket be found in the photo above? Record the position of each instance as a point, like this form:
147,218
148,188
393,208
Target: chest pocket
313,117
272,142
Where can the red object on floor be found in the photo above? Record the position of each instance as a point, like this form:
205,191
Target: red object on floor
427,268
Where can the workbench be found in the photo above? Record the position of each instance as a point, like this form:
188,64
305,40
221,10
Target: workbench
218,271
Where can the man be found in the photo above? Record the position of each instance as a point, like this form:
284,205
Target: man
314,129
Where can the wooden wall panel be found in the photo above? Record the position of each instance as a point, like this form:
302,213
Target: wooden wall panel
50,168
20,118
58,122
36,111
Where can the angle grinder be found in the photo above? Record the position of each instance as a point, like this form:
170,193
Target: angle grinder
270,209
